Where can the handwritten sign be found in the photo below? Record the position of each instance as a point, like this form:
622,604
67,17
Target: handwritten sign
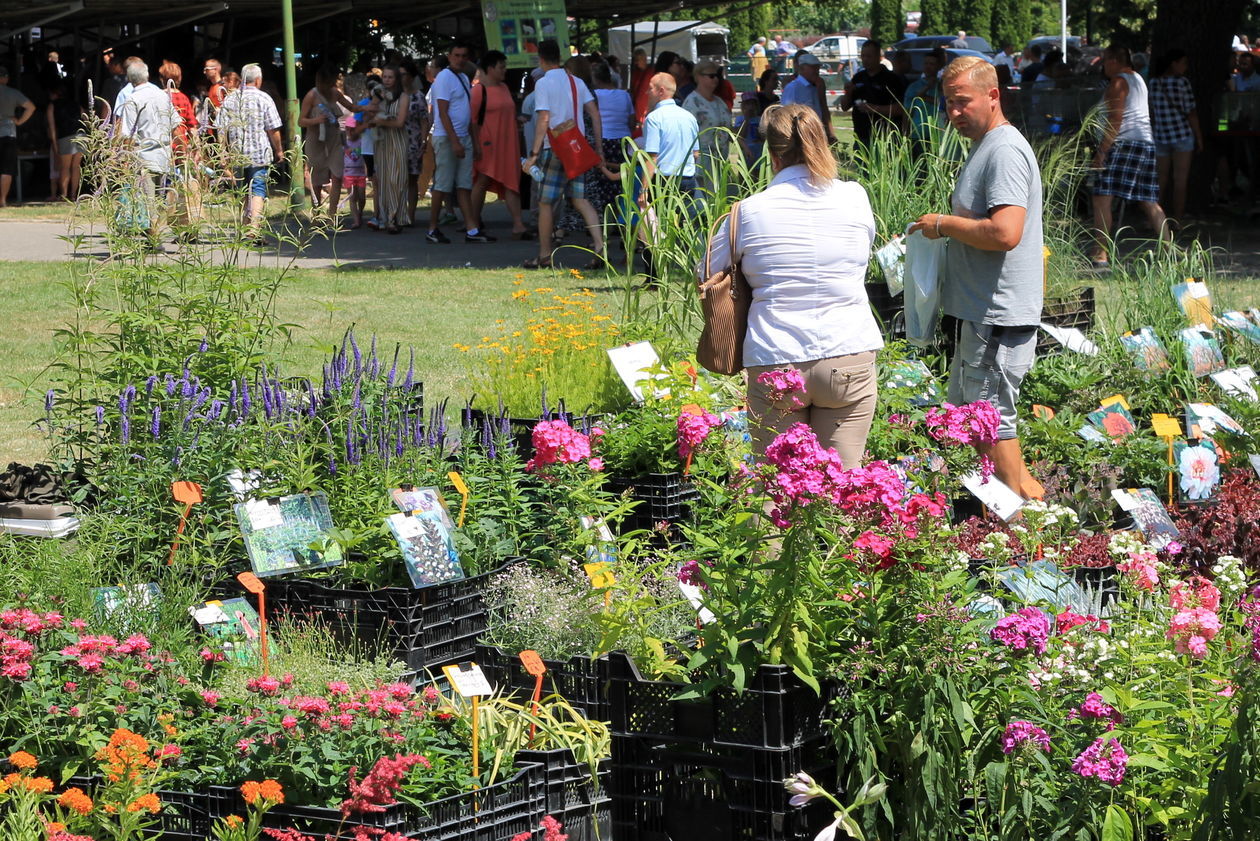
533,663
1165,426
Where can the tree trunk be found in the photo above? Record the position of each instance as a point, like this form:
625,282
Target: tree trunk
1206,38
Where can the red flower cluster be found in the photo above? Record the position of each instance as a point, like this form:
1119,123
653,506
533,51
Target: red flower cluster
17,653
376,790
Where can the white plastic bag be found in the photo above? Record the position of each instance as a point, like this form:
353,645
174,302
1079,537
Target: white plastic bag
923,288
892,260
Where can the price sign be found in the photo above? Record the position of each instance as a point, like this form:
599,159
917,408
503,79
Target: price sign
462,489
1115,399
468,680
600,573
533,663
1166,426
251,582
188,494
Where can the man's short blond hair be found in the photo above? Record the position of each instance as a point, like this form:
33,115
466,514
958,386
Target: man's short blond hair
666,82
972,69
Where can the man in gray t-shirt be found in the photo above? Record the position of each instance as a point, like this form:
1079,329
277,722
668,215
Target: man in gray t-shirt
992,276
12,101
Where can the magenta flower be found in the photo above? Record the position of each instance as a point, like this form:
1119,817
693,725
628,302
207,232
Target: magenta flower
1106,761
1022,631
693,430
1193,629
555,442
969,424
1096,708
1019,734
782,386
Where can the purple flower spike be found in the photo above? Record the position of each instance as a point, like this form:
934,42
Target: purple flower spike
204,346
50,400
124,429
149,384
155,423
99,411
410,379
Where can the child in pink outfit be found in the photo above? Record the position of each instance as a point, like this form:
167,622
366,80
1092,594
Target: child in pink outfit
355,176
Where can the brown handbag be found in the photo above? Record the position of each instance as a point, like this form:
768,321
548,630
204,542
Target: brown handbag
724,298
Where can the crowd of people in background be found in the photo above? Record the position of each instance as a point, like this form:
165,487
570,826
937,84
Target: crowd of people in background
455,129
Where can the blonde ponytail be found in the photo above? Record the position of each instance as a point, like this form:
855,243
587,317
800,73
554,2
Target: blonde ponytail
794,135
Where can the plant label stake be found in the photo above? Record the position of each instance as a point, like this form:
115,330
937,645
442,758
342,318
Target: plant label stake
462,490
188,493
1168,428
535,666
470,682
601,576
253,584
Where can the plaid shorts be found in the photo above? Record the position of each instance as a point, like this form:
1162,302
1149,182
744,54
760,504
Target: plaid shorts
1129,172
555,183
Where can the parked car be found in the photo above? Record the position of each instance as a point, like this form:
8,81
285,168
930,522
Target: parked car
1052,42
916,59
974,42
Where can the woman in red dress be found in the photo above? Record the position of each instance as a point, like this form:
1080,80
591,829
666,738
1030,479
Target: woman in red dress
496,143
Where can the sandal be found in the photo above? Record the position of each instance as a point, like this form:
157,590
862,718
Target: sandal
537,263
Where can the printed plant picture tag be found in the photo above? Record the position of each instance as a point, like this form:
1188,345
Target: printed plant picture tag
1195,302
427,546
279,533
1148,352
1150,516
995,494
632,363
1198,469
1238,382
468,680
1203,351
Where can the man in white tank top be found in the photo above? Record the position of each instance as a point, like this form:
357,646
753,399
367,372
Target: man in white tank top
1125,162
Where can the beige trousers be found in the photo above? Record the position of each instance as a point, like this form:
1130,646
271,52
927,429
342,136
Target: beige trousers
839,404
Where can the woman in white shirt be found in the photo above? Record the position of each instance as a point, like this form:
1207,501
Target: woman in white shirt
803,244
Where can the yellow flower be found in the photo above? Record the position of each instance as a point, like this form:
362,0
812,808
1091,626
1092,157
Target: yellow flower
541,290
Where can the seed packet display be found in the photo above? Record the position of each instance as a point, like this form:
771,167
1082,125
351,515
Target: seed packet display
1195,301
1205,419
233,623
428,547
1148,352
912,379
1238,382
1114,420
604,548
1198,467
1242,325
424,500
1150,517
127,600
1203,351
279,532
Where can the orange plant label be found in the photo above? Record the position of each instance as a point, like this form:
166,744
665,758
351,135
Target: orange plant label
532,662
251,582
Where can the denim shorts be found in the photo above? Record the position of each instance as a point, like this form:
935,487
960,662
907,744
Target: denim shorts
256,178
989,364
1163,150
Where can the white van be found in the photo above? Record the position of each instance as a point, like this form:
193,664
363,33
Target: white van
837,48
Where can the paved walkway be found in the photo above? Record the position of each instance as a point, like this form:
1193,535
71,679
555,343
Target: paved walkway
1235,237
42,240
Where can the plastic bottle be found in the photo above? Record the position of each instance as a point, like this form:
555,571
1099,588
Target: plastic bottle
535,172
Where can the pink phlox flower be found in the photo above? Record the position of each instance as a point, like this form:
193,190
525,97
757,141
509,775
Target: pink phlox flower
692,573
1194,592
693,430
1094,707
969,424
1192,629
1106,761
783,386
1023,631
1021,733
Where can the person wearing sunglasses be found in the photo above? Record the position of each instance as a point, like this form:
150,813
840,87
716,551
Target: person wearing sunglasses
713,116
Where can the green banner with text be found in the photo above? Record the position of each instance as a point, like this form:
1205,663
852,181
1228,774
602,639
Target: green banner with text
514,27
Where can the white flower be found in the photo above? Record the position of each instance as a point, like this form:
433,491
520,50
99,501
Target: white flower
1199,472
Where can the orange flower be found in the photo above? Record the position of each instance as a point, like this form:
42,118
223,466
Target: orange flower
233,821
75,800
55,827
125,755
271,790
145,801
23,761
39,785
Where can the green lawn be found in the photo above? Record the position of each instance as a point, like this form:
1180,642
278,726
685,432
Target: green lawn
431,310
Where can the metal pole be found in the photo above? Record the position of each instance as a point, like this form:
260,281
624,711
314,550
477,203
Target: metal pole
1063,28
297,168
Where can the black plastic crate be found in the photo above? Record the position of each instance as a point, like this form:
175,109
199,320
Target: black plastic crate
425,628
890,310
662,498
665,791
776,710
494,813
185,815
571,795
490,428
582,681
1075,309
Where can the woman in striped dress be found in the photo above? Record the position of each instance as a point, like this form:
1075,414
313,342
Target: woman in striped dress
391,150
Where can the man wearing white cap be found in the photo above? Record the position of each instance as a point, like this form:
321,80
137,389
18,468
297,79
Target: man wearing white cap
807,89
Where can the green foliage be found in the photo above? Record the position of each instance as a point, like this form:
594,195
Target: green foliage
888,20
823,18
1012,22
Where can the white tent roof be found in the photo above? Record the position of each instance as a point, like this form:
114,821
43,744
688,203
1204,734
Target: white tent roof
664,27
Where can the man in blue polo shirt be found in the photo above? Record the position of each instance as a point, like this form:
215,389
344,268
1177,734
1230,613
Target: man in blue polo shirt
670,136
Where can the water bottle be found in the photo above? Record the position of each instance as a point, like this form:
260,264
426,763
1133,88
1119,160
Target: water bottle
535,172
